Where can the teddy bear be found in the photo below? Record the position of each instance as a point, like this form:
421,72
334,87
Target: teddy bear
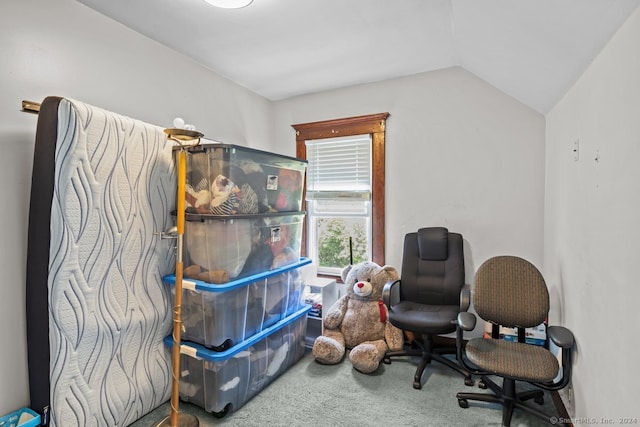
359,320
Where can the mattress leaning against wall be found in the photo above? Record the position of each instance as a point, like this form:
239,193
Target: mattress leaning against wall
103,185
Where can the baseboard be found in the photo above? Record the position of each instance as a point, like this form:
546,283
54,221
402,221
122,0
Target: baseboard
559,405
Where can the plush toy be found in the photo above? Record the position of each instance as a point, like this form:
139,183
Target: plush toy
255,176
197,201
194,271
359,320
225,196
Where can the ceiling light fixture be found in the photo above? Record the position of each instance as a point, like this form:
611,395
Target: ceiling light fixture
229,4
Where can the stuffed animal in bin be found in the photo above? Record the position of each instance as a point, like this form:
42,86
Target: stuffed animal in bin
359,320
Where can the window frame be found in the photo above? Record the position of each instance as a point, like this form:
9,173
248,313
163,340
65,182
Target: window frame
374,125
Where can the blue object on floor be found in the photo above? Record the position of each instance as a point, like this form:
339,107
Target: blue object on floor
24,417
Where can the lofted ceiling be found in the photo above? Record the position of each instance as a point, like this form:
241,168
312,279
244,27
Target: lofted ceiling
533,50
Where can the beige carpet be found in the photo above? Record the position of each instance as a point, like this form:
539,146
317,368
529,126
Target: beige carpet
310,394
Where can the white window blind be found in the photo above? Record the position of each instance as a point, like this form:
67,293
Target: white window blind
339,168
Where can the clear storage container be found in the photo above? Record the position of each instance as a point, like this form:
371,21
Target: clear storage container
220,316
224,179
223,382
220,248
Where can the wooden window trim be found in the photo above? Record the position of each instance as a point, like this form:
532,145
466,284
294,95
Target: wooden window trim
373,124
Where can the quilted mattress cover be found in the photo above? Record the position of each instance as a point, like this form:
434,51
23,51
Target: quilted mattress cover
103,186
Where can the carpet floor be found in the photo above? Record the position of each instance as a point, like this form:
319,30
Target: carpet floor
311,394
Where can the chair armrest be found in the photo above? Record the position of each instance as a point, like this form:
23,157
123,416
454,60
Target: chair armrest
465,297
391,293
466,321
561,336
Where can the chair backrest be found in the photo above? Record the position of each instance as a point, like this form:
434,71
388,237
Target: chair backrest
511,292
432,267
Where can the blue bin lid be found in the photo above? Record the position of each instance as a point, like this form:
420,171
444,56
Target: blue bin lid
201,352
170,279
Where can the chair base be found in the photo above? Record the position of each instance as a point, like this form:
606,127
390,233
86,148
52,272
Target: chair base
427,353
508,398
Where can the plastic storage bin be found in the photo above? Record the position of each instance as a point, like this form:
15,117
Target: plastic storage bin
220,316
223,382
221,248
24,417
225,179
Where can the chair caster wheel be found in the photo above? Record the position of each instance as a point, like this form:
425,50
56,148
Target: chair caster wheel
463,403
386,361
539,400
417,385
469,381
482,385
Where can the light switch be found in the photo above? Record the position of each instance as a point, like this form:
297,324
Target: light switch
576,150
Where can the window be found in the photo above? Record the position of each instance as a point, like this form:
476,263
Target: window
338,196
344,190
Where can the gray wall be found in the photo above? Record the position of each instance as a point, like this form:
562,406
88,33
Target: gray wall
459,154
61,47
592,228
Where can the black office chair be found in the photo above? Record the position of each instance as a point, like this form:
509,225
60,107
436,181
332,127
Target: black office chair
428,296
510,291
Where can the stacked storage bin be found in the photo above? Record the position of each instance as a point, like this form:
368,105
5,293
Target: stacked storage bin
243,318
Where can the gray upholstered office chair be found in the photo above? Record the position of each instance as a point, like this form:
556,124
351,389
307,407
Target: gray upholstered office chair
428,296
510,291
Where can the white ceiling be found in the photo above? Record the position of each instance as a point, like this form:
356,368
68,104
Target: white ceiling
533,50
